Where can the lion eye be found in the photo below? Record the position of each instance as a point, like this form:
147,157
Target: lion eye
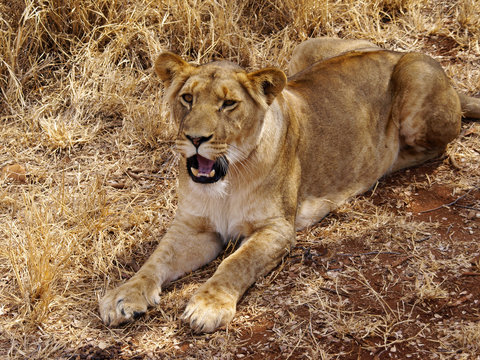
228,104
188,98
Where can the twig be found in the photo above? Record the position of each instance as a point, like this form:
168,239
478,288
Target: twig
147,176
401,261
157,177
423,239
117,185
471,273
468,207
335,292
372,253
442,350
133,175
448,229
451,203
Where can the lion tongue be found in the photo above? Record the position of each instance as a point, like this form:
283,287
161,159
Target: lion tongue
205,166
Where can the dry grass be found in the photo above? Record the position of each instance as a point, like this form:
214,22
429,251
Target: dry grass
80,112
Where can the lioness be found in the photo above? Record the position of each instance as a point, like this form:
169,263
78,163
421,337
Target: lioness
263,157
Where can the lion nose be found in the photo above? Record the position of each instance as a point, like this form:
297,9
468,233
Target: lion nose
198,140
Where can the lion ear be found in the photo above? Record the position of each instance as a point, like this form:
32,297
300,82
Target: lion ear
269,82
168,65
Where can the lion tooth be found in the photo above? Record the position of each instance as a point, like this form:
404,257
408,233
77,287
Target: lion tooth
194,171
212,173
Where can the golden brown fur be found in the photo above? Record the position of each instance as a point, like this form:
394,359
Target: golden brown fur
319,49
294,152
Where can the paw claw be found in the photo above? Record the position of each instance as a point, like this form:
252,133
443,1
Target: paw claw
138,314
206,312
128,302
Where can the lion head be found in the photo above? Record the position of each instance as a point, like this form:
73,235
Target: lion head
219,109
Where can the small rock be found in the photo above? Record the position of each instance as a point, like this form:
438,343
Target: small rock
102,345
471,215
14,172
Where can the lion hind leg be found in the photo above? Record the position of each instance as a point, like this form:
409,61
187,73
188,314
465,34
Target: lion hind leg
409,157
312,210
425,107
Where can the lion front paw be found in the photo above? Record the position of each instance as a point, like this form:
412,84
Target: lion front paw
209,309
128,301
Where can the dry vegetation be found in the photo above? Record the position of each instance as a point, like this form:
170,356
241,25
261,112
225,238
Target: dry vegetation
87,188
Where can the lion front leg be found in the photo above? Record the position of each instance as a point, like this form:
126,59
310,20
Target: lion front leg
181,250
214,303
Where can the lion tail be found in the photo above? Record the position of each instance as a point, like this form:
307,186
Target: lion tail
470,106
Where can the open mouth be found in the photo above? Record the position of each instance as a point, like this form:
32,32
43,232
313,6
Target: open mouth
206,171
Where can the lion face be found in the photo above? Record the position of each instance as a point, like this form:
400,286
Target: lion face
219,110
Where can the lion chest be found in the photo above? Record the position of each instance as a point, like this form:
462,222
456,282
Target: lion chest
232,216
